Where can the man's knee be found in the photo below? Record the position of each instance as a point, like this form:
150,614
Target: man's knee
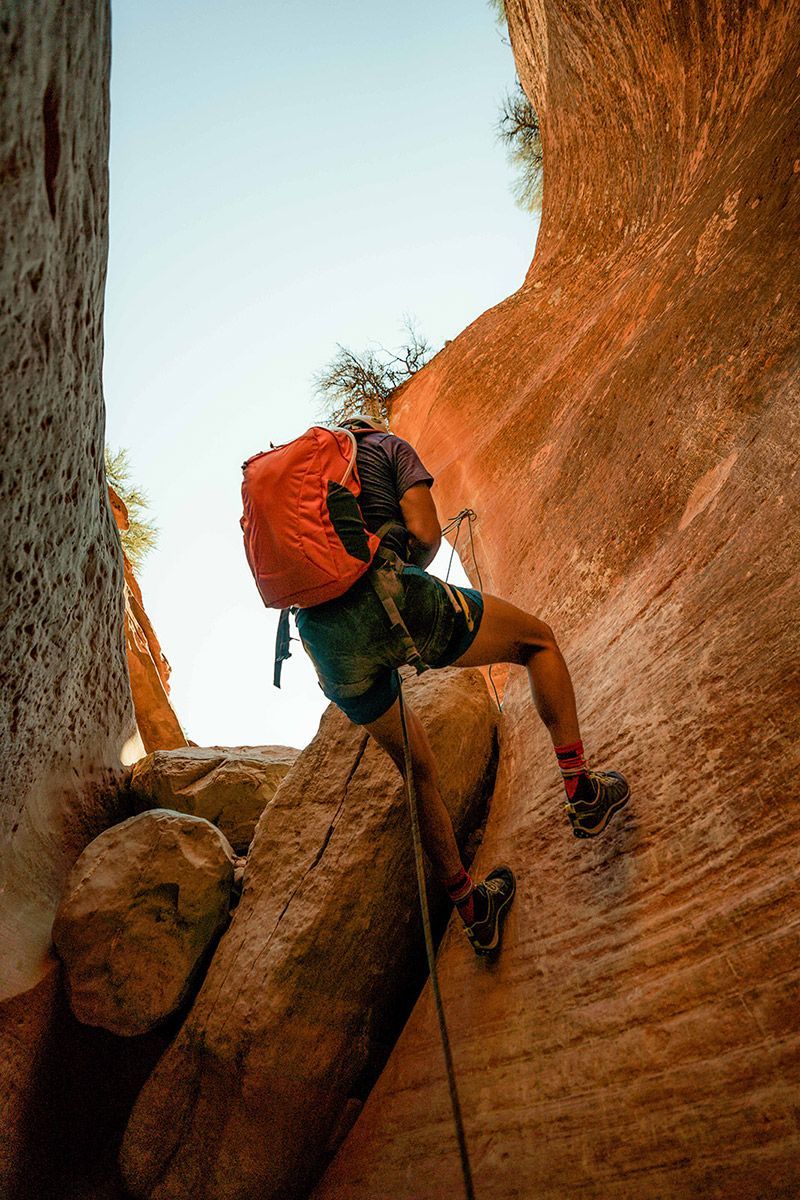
550,637
540,637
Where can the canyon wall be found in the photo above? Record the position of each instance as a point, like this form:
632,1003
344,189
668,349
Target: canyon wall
626,428
148,669
67,709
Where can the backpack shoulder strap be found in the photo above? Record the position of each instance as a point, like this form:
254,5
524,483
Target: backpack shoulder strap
354,448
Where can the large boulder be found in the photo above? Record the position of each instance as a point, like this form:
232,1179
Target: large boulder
141,908
229,787
626,428
319,967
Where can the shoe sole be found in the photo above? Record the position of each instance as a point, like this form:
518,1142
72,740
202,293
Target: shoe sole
610,811
494,946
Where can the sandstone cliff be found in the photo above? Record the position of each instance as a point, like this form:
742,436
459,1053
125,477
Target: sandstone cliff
65,689
159,727
626,427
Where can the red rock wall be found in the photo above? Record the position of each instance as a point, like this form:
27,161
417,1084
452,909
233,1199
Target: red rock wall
148,668
67,711
626,427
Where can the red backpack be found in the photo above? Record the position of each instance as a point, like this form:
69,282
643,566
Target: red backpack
304,535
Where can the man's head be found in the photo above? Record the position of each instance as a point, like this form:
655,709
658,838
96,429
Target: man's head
364,421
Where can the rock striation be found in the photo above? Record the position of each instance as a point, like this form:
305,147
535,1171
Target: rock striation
67,708
626,428
142,906
229,787
316,974
148,668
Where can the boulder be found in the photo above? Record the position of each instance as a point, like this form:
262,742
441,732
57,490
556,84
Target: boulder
229,787
142,906
627,429
318,970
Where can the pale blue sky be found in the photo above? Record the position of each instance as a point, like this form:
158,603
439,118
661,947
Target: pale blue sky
283,178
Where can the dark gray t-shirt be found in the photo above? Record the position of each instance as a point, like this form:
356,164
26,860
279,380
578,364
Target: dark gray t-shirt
387,467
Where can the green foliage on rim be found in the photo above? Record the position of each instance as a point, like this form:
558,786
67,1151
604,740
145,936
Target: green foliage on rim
141,536
517,128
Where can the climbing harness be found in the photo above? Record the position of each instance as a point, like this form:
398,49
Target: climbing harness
466,1170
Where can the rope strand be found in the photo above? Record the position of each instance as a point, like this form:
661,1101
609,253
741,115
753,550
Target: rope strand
469,515
466,1170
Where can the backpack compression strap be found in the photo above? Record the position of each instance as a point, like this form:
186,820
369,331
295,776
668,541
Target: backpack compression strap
282,651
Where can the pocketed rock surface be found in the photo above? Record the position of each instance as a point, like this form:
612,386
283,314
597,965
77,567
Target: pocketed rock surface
64,679
318,968
141,907
67,712
626,428
229,787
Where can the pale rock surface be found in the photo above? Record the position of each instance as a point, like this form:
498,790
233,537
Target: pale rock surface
318,969
626,428
67,708
141,907
229,787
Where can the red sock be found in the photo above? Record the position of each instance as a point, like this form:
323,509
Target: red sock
460,889
572,764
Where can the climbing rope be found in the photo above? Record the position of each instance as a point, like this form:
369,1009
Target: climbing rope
469,515
426,925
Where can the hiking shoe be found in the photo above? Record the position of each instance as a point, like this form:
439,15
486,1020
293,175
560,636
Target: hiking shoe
598,796
498,891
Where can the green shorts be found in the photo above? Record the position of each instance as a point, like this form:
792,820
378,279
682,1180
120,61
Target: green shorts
356,653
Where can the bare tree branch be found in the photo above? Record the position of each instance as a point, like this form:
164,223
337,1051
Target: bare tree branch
364,383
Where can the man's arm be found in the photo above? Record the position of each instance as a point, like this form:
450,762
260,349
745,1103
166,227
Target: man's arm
422,522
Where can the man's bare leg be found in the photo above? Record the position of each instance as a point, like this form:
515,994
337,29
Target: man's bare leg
506,634
481,908
509,635
436,827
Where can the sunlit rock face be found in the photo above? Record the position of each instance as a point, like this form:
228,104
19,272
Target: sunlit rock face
67,709
626,427
230,787
158,725
318,969
141,907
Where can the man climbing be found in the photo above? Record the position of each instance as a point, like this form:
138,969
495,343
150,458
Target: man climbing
356,657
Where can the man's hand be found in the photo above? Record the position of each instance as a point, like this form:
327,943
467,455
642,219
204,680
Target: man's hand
422,522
